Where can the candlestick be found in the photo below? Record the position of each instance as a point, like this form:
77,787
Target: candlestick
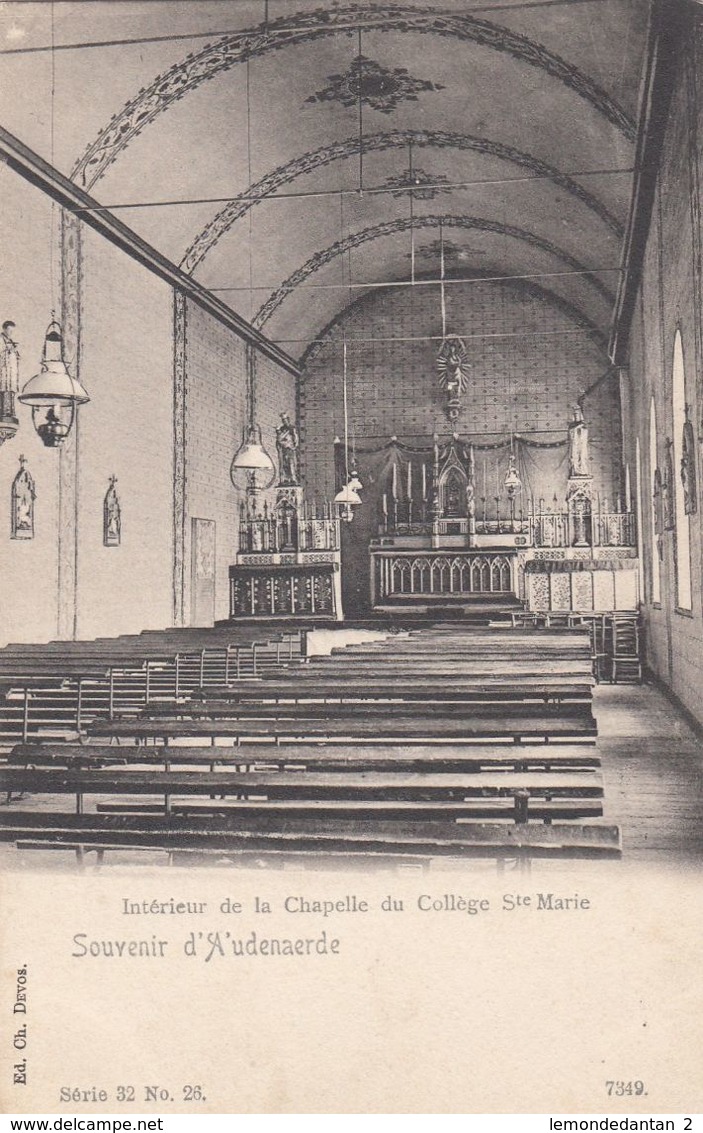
410,480
424,480
394,482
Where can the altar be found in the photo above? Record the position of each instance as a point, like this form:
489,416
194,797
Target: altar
435,535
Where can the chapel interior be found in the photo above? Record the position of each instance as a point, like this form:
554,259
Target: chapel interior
351,414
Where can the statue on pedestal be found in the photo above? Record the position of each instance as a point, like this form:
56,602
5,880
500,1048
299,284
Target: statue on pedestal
9,372
688,466
287,442
453,368
578,445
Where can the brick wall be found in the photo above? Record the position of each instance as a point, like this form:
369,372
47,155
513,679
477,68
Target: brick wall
670,298
126,430
525,383
216,413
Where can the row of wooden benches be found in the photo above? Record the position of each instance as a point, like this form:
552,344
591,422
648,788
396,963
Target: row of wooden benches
372,747
300,796
54,689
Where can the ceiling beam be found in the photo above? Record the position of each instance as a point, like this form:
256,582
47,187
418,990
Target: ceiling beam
38,172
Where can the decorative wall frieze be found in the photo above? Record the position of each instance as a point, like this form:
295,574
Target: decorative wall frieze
67,525
404,224
305,27
179,456
306,163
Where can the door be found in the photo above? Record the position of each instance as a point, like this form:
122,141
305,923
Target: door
202,589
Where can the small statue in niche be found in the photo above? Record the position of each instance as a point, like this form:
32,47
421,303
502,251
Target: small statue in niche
9,370
22,503
658,501
287,525
287,442
688,466
112,516
579,464
668,500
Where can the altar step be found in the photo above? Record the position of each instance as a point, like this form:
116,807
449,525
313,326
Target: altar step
478,610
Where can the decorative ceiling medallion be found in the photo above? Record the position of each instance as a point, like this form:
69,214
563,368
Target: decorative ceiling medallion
379,87
315,159
454,254
305,27
418,184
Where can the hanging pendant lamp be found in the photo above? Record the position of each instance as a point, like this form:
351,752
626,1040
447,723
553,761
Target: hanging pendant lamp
52,393
252,468
348,497
513,483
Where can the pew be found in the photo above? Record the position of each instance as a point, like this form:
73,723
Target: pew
375,748
318,756
346,796
331,787
545,688
181,834
351,727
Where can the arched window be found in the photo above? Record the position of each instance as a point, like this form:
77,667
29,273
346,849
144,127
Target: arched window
682,530
655,498
638,517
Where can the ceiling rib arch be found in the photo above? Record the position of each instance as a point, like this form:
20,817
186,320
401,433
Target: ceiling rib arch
404,224
304,27
306,163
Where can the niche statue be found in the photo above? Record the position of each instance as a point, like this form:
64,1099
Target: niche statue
578,445
287,447
9,370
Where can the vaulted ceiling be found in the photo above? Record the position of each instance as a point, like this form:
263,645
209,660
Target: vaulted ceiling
291,156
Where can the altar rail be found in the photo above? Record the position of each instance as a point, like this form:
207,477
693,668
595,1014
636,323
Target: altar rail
445,574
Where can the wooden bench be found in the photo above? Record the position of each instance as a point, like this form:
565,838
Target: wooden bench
356,757
484,662
548,688
330,786
421,710
352,727
177,834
